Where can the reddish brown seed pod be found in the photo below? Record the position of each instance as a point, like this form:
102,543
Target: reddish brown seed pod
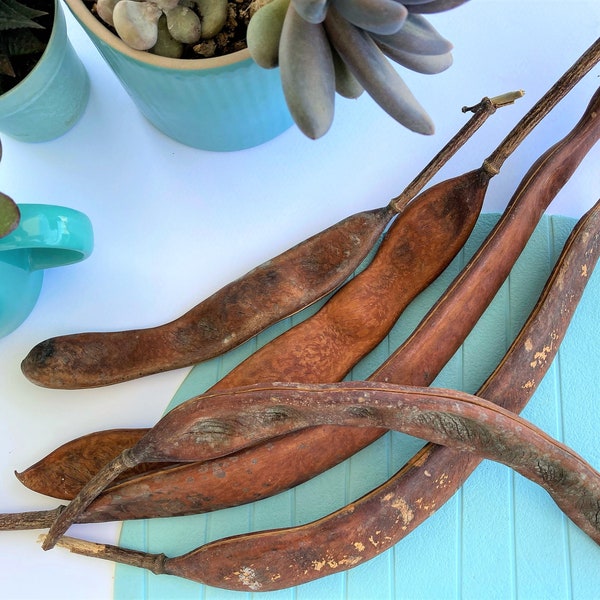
250,469
278,288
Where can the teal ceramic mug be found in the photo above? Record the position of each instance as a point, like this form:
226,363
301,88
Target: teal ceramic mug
47,236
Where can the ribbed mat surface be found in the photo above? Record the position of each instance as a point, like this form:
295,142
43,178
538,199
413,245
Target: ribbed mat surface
500,536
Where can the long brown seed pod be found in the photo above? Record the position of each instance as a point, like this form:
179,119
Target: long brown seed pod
372,524
511,383
455,419
557,163
278,288
415,250
95,359
251,470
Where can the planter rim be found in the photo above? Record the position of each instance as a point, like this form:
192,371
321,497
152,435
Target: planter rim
85,16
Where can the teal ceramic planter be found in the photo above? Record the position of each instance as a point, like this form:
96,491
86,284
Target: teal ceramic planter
52,98
220,104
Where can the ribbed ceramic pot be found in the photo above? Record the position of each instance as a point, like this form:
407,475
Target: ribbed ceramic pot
221,104
52,98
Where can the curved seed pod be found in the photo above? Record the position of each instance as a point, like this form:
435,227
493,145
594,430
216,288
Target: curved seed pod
417,36
264,32
307,74
540,185
420,63
373,71
346,84
432,6
222,321
408,244
239,310
46,476
496,257
313,11
378,16
394,509
463,422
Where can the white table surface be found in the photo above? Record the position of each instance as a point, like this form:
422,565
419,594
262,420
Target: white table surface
174,224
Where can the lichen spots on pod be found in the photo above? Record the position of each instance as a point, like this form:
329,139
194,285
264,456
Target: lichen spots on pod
541,356
247,577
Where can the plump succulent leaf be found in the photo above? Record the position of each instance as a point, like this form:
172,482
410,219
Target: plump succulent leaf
137,23
432,6
346,85
420,63
307,74
213,16
374,72
313,11
9,215
378,16
264,33
416,36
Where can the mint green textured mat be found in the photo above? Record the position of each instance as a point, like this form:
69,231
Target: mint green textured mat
500,536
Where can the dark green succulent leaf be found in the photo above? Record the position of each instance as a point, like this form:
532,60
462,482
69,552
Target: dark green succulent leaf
9,215
20,43
16,15
6,67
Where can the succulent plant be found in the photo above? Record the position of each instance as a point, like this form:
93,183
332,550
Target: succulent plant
22,40
324,47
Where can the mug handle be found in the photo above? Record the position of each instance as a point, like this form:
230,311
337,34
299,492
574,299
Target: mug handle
54,236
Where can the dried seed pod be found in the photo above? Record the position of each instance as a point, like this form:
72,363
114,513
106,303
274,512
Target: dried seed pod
501,249
540,185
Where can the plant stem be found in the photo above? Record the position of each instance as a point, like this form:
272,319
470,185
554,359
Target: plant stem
481,111
547,102
88,494
134,558
37,519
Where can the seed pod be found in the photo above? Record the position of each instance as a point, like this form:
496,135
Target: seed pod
499,253
539,186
